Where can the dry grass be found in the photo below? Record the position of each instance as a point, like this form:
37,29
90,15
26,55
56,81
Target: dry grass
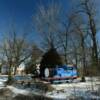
30,97
75,98
5,92
44,87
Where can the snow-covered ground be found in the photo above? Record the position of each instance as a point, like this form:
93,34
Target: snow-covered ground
80,90
3,80
85,90
64,91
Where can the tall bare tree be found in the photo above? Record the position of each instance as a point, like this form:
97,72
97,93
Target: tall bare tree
81,30
15,50
88,8
64,35
46,22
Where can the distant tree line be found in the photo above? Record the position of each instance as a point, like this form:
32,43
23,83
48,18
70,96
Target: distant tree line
73,33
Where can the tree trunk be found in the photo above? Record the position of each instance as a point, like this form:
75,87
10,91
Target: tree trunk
65,56
15,70
94,50
66,36
83,58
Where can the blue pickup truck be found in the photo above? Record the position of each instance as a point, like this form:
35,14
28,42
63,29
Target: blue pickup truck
61,73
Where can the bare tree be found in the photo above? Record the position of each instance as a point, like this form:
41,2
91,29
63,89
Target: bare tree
88,8
57,30
46,22
81,30
54,26
15,50
64,35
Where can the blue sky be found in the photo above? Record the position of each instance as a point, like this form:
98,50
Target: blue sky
20,12
15,11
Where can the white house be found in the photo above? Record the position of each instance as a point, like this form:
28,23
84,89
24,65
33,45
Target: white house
21,69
